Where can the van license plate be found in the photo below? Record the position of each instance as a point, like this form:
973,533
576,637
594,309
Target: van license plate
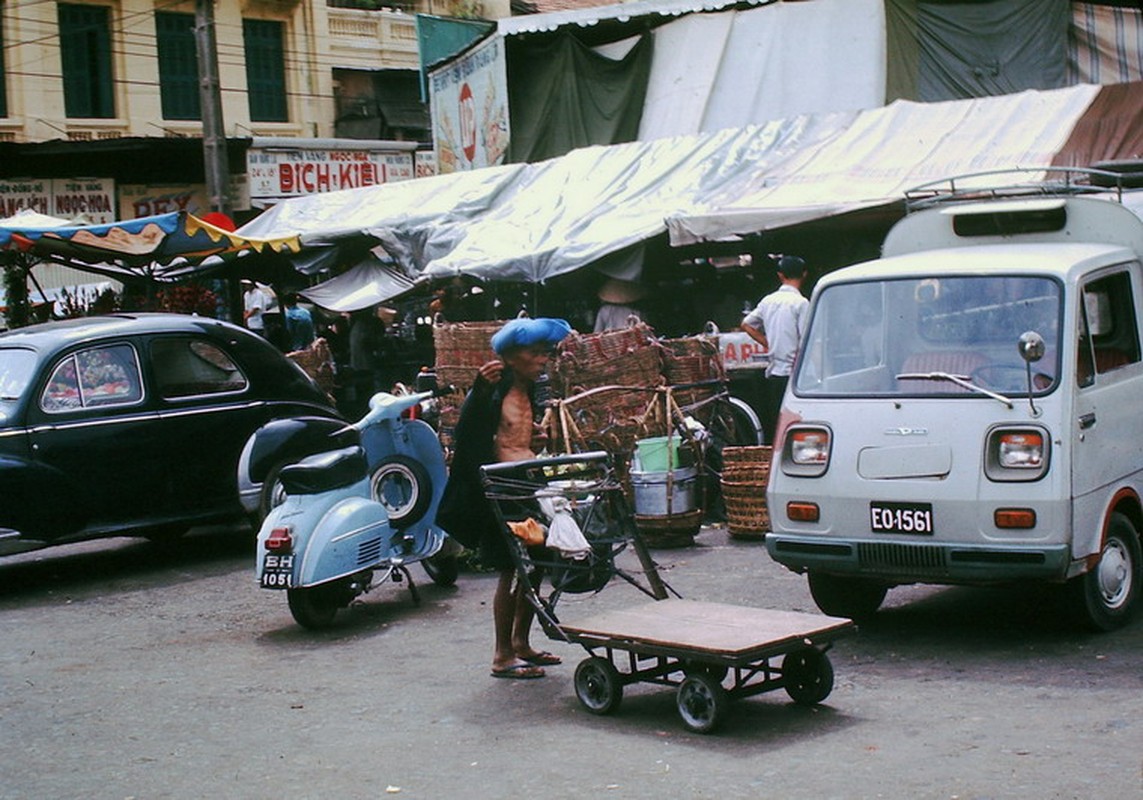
915,518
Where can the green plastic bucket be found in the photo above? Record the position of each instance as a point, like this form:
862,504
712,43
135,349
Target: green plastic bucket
654,455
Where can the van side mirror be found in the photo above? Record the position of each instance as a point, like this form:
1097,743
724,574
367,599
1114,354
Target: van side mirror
1031,346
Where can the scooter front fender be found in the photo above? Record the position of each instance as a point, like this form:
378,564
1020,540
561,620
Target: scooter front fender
351,536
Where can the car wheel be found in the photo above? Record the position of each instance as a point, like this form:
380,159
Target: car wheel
403,486
1107,594
854,598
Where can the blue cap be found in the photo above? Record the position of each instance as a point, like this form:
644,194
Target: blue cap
527,332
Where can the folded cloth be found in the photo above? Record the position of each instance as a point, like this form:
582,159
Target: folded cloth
527,332
564,534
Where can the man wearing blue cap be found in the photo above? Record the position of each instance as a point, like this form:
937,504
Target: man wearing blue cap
777,323
497,423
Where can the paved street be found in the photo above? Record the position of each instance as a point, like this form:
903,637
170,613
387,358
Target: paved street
129,671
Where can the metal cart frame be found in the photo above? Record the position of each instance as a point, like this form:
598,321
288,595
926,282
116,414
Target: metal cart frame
711,653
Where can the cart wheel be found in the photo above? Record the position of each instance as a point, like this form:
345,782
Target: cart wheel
702,702
598,686
807,675
716,671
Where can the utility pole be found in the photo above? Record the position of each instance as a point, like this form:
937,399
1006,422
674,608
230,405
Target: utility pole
210,97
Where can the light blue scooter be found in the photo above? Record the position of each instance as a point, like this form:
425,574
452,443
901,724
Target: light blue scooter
352,518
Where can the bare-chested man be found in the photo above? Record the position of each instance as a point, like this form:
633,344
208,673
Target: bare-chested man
497,423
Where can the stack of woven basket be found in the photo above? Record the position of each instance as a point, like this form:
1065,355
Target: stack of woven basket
461,349
622,357
745,472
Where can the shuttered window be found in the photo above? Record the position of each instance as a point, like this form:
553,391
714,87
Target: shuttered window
178,65
265,70
85,54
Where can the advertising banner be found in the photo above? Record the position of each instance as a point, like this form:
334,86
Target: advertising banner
469,99
278,173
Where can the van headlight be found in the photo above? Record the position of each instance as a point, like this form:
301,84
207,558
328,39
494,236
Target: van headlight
807,450
1017,454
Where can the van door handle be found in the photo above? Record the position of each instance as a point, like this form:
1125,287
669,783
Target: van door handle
1087,420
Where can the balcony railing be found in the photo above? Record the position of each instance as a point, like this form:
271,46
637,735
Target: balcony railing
373,38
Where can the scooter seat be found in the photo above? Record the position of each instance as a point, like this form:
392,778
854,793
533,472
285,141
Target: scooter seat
325,471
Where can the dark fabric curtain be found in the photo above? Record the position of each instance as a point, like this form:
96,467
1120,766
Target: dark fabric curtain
952,51
563,95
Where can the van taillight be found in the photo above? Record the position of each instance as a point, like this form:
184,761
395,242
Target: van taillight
280,540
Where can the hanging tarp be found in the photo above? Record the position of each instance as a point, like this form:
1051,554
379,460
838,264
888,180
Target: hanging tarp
1110,130
946,51
827,55
367,284
163,247
562,95
1105,45
530,223
889,150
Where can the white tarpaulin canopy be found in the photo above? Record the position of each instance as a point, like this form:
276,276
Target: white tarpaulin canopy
367,284
530,223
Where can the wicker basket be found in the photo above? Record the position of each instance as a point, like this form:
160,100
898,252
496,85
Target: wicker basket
745,473
674,530
461,349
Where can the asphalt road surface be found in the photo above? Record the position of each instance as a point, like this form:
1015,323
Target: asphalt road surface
131,671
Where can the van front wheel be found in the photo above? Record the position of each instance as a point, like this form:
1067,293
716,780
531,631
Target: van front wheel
1107,594
840,596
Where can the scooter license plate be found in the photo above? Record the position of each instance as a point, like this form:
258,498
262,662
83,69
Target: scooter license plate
277,571
914,518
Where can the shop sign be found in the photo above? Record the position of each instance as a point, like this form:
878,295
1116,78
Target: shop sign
469,101
739,351
92,199
425,163
139,200
278,173
29,195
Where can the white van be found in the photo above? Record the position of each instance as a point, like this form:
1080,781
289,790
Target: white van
969,409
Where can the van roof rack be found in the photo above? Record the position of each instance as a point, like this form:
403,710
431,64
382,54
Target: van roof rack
1052,181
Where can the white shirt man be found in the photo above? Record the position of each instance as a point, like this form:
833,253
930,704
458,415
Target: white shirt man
777,323
255,303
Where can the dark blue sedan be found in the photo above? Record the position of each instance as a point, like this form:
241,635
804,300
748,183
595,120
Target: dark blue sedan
133,424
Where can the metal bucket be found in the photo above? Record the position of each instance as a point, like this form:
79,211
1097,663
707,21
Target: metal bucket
651,497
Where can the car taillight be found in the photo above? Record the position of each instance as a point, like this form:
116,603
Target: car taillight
809,446
1017,454
280,540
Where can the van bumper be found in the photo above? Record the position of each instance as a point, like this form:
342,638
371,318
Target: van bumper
908,562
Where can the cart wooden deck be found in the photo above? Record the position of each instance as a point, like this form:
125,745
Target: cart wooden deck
708,632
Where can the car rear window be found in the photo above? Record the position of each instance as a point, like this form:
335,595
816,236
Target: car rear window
186,367
96,377
17,368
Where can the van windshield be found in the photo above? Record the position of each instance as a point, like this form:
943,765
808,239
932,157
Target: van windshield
914,337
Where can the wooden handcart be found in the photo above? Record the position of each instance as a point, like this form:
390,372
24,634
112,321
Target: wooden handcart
711,652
